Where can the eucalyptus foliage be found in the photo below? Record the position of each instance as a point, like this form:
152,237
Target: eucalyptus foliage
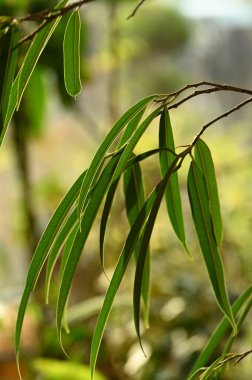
116,161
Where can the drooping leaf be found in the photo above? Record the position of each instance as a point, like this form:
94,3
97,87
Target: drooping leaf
203,224
8,62
107,142
172,193
19,85
71,48
204,160
117,278
134,199
217,336
88,218
145,240
42,251
61,238
132,125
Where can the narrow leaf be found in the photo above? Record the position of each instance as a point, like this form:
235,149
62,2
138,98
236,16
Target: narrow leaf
56,249
145,240
71,48
134,200
117,278
203,224
204,160
19,85
172,193
107,142
91,210
8,62
42,250
218,334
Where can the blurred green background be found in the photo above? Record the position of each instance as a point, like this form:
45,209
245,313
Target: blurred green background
164,46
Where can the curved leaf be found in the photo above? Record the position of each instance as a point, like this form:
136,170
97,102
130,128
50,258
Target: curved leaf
91,210
107,142
204,160
8,62
42,251
134,199
203,224
172,193
218,334
37,46
71,48
117,278
145,240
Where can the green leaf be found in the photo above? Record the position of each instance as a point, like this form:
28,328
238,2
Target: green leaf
145,241
204,160
71,48
172,193
203,224
134,199
131,127
107,142
8,62
42,251
19,85
91,210
218,334
56,249
117,278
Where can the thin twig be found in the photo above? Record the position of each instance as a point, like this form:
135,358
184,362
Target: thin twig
136,9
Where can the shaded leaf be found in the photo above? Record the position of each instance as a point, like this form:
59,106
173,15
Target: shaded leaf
8,62
71,48
19,85
117,278
204,160
203,224
134,200
172,193
145,240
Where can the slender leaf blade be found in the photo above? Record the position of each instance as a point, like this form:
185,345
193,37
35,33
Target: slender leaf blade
204,160
172,193
71,48
117,278
19,85
203,224
134,200
8,62
42,250
91,210
219,332
107,142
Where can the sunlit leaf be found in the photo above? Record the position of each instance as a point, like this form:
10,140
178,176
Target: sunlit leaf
203,224
72,54
117,278
8,62
172,193
42,251
91,210
34,52
244,299
204,160
134,201
107,142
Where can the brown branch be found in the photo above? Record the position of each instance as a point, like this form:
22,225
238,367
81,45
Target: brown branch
136,9
222,116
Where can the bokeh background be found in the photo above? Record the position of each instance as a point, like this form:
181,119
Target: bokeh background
51,141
